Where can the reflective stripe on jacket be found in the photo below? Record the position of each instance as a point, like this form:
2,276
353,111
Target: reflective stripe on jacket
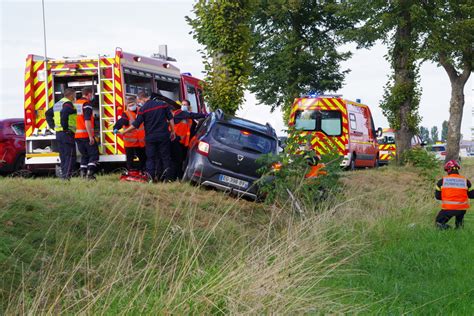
136,137
81,130
183,129
454,194
58,106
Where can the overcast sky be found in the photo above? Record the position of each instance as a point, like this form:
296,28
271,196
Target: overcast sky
92,27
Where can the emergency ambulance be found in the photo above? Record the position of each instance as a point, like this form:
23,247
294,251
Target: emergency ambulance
112,79
329,122
387,147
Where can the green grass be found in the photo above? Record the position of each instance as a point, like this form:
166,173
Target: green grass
128,248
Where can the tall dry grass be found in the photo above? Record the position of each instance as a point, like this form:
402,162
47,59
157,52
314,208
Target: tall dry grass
157,254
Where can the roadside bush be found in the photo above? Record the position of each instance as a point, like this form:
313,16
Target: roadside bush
427,163
284,179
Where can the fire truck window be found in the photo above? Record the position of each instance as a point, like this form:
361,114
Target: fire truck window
135,84
305,120
192,97
168,89
352,119
201,101
331,123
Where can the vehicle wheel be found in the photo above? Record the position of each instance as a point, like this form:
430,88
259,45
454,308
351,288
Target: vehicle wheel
57,171
19,163
352,164
377,162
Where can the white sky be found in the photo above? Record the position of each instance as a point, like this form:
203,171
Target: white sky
91,27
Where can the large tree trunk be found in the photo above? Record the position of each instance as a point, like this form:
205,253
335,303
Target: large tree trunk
403,77
455,119
458,81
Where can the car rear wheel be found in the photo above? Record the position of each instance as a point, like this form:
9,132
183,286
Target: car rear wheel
19,163
352,164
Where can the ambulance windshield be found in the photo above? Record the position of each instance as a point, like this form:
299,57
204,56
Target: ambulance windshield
328,122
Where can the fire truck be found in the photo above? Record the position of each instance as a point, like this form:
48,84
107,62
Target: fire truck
112,79
388,149
331,123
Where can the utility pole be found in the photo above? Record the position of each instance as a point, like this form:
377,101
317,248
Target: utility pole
45,59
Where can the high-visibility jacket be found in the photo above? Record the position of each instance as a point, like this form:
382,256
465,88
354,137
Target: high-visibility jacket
136,137
454,194
81,130
183,129
58,106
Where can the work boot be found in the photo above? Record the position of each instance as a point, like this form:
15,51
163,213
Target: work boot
83,173
91,174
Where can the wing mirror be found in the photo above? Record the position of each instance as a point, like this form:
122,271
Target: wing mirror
379,132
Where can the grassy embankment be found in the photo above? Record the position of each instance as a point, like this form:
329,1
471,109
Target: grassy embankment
137,248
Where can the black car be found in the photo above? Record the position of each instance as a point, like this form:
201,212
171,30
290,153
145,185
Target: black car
225,151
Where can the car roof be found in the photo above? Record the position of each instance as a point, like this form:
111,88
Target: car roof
250,125
12,120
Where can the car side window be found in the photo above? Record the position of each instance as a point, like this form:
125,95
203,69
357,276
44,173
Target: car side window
18,129
353,122
203,126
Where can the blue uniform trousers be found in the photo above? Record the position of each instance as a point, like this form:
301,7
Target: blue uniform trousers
158,159
67,153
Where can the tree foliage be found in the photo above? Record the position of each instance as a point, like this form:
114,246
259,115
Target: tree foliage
448,41
398,24
434,134
223,28
444,131
425,134
295,50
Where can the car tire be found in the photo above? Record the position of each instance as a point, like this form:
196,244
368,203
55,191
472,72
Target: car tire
352,165
57,171
19,163
377,163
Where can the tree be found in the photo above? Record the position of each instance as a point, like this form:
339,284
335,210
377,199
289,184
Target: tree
397,24
444,131
223,28
295,50
434,134
425,134
449,42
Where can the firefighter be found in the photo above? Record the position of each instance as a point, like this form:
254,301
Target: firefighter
134,141
183,122
62,117
454,191
159,132
85,135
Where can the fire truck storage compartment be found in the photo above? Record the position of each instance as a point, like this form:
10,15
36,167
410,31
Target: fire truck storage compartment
78,83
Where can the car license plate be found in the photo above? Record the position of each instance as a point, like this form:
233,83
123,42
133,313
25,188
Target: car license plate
234,181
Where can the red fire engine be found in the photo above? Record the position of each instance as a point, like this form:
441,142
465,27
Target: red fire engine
112,79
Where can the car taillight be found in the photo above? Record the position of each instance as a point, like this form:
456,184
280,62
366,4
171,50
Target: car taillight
203,148
443,153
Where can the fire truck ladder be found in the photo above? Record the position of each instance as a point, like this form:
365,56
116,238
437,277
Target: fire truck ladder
106,122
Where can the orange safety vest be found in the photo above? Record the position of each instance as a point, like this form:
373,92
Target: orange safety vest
454,193
183,129
81,131
136,137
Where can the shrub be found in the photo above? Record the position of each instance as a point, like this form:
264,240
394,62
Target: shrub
425,162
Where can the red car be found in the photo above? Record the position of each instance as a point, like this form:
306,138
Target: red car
12,145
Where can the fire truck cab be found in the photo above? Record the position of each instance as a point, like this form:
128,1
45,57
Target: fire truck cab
112,79
332,123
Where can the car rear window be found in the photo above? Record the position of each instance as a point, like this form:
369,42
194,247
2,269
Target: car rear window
438,148
328,122
242,139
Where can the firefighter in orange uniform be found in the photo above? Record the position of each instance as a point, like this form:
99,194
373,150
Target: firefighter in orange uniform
85,135
183,123
134,141
454,191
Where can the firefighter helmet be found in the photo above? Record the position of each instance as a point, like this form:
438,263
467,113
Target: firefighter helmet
451,165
